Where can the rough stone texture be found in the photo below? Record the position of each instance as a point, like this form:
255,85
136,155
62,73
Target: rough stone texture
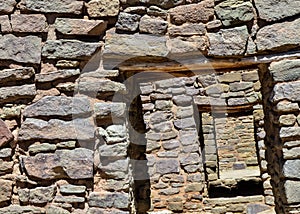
292,189
291,169
108,200
288,91
128,22
20,49
5,134
58,75
194,13
39,195
17,93
232,12
7,6
278,36
72,189
5,24
153,25
286,70
56,6
228,42
71,164
6,190
18,74
80,27
81,129
69,49
29,23
100,8
272,10
58,106
188,29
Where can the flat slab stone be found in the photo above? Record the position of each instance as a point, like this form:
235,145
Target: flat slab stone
21,49
69,49
70,164
280,36
5,134
273,10
33,23
58,75
80,26
51,106
291,169
54,129
54,6
288,90
11,75
285,70
16,93
292,191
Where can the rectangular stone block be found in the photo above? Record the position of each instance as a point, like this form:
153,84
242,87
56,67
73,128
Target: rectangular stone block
292,191
291,169
16,93
21,49
33,23
285,70
12,75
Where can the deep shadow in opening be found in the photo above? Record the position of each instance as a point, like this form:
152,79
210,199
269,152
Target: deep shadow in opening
243,188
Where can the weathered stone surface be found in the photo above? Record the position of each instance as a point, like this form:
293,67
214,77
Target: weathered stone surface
20,49
232,12
289,90
69,49
179,47
240,86
35,23
5,152
272,10
5,134
69,199
116,150
56,210
55,6
72,189
128,22
94,86
157,11
194,13
230,77
285,70
279,36
39,195
100,8
17,209
286,132
39,148
166,166
60,74
5,167
113,133
18,74
6,190
228,42
293,153
118,200
141,10
119,47
80,26
33,129
5,24
291,169
7,6
287,120
286,106
115,111
182,100
17,93
153,25
73,164
51,106
292,189
187,29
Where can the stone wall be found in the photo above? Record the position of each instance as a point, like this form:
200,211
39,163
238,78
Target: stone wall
121,106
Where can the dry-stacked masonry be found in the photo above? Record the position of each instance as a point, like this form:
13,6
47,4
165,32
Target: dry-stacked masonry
127,106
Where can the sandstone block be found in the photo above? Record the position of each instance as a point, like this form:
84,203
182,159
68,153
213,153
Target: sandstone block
53,76
52,106
6,190
34,129
187,29
70,164
69,199
69,49
232,12
80,26
288,90
153,25
72,189
285,70
5,134
279,36
165,166
20,209
40,148
55,6
193,13
228,42
273,10
18,74
20,49
17,93
39,195
114,111
7,6
292,189
291,169
5,24
33,23
128,22
108,200
100,8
